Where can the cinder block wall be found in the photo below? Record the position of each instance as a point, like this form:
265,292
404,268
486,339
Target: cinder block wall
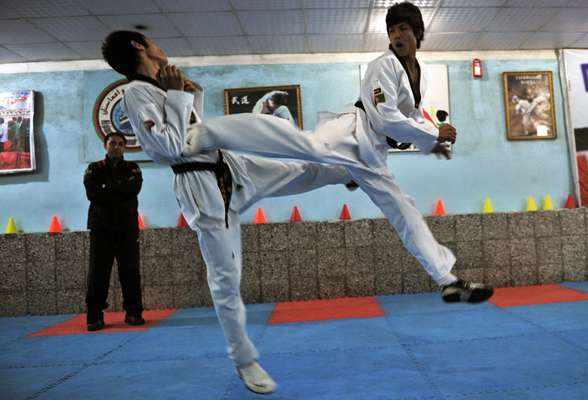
46,273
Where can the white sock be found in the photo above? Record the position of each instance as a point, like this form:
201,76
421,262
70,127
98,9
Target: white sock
447,279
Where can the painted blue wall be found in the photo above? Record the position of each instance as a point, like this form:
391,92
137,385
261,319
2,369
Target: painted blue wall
484,163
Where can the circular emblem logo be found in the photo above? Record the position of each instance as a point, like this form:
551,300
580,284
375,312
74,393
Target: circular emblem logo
110,117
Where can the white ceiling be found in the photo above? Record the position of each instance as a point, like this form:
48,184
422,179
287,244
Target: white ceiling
52,30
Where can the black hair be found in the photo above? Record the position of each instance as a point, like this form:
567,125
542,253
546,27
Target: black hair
408,13
111,134
280,98
120,54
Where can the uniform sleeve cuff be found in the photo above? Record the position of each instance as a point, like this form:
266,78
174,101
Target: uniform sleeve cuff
180,96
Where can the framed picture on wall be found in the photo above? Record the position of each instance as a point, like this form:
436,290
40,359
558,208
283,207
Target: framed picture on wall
528,99
280,101
17,144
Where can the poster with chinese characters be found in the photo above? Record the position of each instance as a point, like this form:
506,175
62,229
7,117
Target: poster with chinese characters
280,101
17,145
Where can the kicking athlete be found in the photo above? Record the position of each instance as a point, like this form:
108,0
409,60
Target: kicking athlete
388,112
212,187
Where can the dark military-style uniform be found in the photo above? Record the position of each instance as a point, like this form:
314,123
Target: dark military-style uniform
114,232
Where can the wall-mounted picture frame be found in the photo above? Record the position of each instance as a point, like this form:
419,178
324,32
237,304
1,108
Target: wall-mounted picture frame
529,106
17,139
281,101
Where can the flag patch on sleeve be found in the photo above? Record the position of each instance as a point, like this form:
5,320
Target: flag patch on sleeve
379,96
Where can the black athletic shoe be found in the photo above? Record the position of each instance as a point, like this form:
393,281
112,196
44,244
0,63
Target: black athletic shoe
134,320
464,291
96,326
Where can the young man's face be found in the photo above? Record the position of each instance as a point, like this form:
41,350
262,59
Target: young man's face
155,53
402,39
115,146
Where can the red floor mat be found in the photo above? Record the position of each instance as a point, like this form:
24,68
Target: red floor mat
115,322
322,310
540,294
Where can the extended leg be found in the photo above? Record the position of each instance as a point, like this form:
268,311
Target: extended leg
276,178
417,238
407,221
263,135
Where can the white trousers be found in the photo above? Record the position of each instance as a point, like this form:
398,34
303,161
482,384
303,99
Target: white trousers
202,204
269,136
334,142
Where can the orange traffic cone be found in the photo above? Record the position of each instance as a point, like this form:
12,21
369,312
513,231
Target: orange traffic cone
141,223
259,217
345,214
570,203
182,223
55,225
440,209
295,217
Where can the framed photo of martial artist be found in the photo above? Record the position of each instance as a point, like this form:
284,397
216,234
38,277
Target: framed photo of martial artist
529,107
435,108
17,142
280,101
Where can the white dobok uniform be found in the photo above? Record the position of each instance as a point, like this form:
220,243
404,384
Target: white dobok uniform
160,119
355,139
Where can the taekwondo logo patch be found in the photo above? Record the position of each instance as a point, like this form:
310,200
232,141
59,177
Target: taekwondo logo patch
110,117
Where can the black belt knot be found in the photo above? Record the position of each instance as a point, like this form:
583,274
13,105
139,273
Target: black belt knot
223,175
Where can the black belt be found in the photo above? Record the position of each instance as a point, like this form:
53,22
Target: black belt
194,166
391,142
221,170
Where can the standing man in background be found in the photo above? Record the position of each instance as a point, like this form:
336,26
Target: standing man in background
112,186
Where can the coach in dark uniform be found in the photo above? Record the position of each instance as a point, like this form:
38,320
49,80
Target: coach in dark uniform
112,186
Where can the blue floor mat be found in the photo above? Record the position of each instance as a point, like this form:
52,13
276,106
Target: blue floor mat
199,341
327,335
385,373
422,349
582,286
23,383
565,391
467,324
205,378
472,367
56,350
12,328
554,316
575,337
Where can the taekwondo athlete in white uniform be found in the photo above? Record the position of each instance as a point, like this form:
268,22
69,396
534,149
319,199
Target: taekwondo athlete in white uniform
357,138
212,187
